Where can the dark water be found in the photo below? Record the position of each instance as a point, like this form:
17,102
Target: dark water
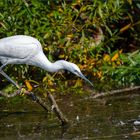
94,120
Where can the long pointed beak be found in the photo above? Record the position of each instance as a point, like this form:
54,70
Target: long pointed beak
83,77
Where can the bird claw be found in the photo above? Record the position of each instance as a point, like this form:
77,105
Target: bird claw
22,91
17,86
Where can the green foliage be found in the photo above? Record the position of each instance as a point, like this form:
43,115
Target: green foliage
83,32
126,74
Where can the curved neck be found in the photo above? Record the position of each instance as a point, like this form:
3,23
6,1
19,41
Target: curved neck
45,64
56,66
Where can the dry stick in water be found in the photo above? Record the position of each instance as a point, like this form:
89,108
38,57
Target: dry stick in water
56,109
38,100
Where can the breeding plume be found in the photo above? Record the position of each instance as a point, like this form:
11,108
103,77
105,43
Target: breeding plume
22,49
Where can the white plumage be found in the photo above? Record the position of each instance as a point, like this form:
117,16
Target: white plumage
22,49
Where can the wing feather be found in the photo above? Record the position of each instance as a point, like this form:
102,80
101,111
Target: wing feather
19,46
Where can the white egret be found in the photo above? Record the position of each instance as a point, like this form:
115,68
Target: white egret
22,49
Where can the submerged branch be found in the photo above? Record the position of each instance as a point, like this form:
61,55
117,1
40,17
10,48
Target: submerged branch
38,100
56,109
41,103
115,92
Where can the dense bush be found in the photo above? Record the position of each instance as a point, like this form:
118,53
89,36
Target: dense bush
98,35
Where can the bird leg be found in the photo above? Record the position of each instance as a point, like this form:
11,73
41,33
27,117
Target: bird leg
8,78
22,89
3,66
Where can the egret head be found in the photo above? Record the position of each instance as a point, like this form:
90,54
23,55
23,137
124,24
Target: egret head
73,68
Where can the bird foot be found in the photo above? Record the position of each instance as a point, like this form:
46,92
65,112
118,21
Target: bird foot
23,91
